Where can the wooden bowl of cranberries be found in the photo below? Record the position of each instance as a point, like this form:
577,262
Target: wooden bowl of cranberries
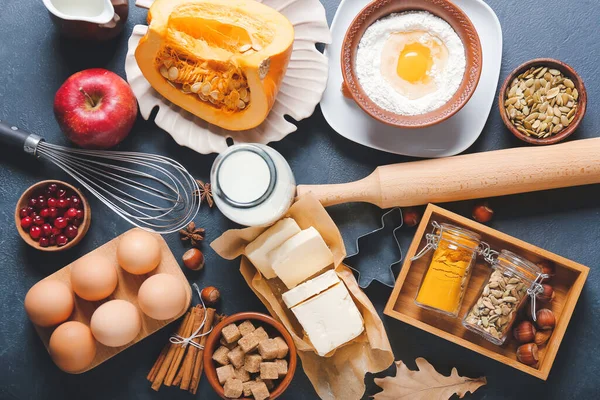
52,216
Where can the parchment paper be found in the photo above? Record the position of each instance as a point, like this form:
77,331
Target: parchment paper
340,374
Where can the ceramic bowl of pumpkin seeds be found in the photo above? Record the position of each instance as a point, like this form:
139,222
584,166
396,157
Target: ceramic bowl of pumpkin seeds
543,101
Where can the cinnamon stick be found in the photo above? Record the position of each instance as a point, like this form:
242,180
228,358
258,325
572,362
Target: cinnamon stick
180,349
197,372
162,371
185,372
158,363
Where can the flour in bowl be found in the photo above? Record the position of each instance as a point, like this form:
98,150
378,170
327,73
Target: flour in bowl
410,63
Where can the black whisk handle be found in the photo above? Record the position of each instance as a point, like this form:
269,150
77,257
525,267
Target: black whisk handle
12,136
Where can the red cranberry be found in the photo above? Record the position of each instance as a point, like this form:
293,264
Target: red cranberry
62,203
60,222
61,240
35,232
71,231
61,194
29,210
26,223
23,212
52,188
80,215
44,242
76,222
32,202
75,201
46,230
56,231
52,212
51,202
38,220
52,240
71,213
45,213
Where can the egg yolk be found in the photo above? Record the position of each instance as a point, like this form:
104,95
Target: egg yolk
414,63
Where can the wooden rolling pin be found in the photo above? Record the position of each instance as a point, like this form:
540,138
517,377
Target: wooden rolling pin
489,174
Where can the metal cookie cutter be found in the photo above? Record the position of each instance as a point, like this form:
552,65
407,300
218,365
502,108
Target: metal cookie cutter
378,271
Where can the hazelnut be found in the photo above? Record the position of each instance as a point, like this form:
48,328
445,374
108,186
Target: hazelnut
482,213
193,259
411,217
542,337
547,295
210,295
547,268
528,354
524,332
545,319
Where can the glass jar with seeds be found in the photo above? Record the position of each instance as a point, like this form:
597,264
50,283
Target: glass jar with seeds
541,101
445,281
512,280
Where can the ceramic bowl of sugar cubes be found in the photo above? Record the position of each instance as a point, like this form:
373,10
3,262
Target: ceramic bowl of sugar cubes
249,356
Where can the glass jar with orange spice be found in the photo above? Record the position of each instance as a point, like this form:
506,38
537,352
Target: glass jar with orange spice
445,281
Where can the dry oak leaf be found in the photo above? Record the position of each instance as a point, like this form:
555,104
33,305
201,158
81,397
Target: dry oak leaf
425,384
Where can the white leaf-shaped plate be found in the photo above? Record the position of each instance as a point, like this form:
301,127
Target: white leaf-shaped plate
300,92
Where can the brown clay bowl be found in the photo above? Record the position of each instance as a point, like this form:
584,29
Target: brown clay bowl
444,9
83,227
272,327
569,73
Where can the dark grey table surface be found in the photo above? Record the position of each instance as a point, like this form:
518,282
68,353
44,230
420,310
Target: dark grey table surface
36,62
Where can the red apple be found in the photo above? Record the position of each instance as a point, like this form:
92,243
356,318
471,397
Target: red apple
95,108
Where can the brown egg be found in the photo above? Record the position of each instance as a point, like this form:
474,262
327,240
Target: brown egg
49,302
138,252
162,296
116,323
93,277
72,346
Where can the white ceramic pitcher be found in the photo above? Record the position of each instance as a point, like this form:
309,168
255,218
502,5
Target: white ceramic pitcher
88,19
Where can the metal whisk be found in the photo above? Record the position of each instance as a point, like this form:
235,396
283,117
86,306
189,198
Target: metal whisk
150,191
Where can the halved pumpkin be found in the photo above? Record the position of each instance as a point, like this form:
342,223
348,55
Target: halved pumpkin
221,60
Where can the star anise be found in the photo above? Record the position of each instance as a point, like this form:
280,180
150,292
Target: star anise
205,193
193,234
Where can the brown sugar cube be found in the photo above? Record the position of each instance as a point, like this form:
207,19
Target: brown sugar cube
252,363
231,333
236,356
241,374
247,388
282,367
268,370
225,372
260,391
249,342
224,343
268,349
233,388
283,347
220,355
261,334
268,382
246,328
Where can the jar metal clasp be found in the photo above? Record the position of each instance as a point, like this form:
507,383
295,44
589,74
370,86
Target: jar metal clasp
433,239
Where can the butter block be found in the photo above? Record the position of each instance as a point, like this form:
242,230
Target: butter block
269,240
310,288
300,257
330,319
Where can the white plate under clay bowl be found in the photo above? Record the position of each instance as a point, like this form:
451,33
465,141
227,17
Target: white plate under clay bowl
299,94
447,138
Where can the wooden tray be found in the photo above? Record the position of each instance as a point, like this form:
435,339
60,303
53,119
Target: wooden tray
567,283
127,289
